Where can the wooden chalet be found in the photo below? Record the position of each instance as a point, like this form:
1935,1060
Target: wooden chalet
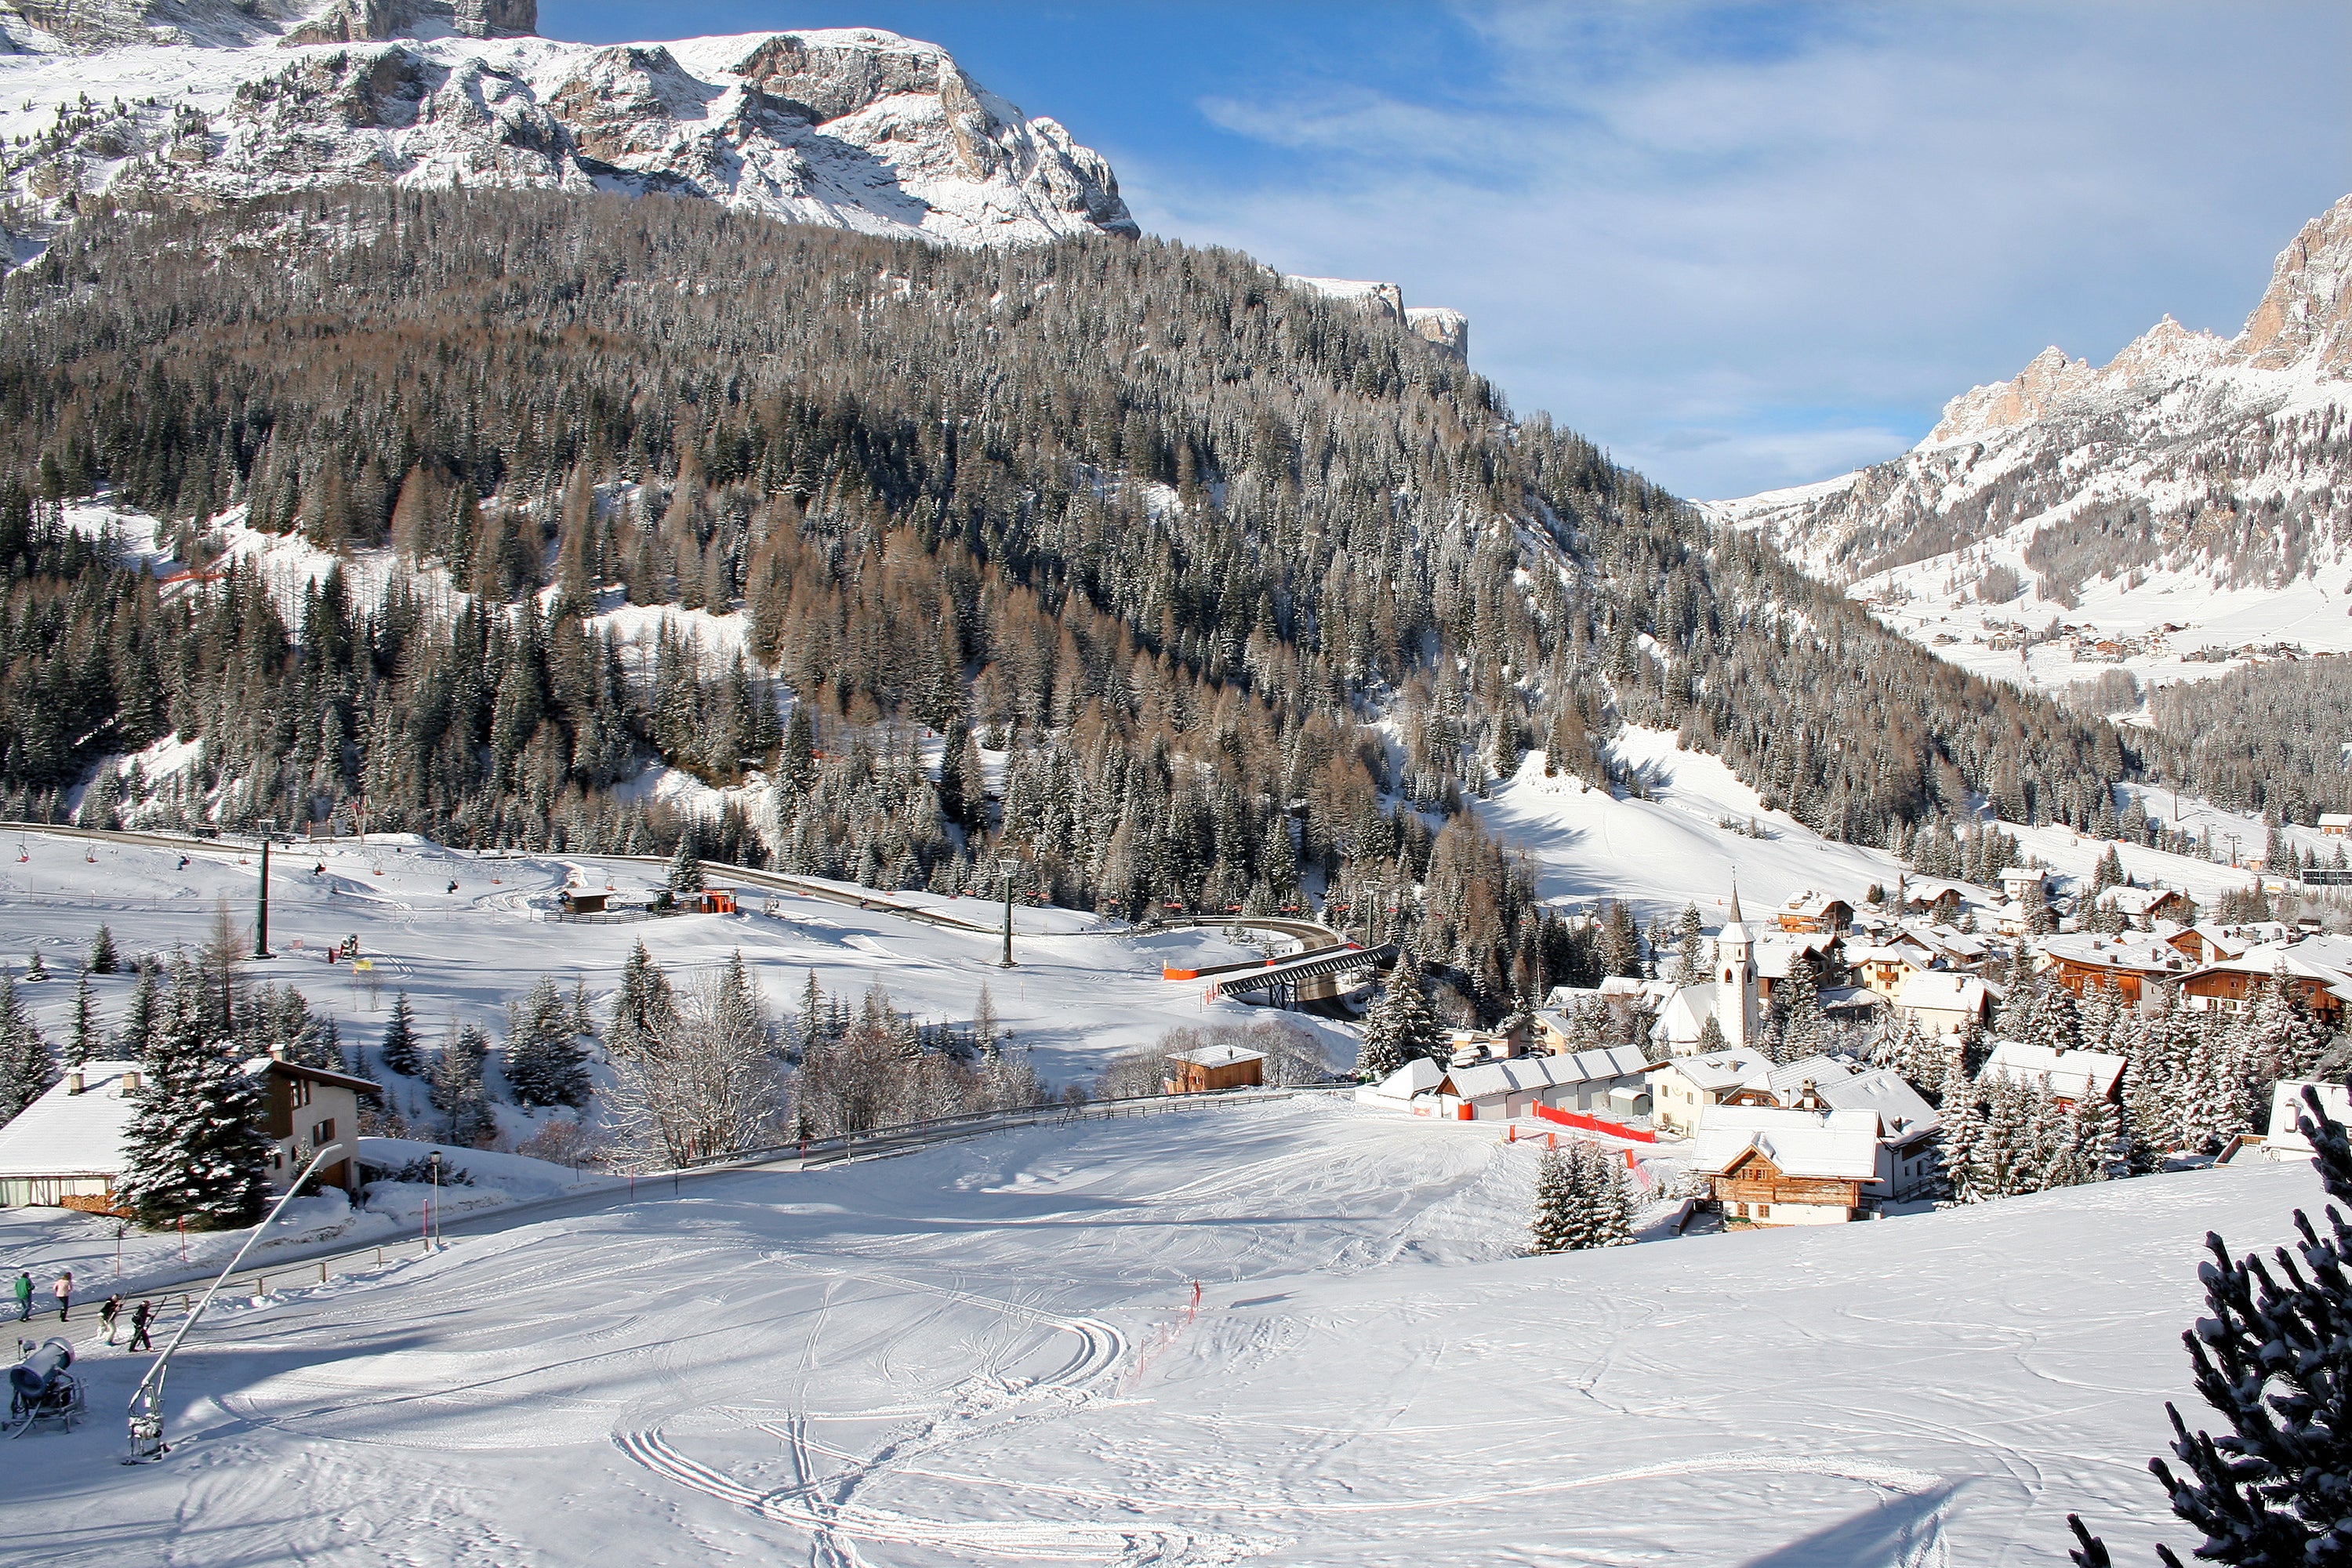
1775,1167
1213,1068
2083,962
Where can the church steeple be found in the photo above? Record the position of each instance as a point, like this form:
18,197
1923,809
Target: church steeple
1736,998
1733,918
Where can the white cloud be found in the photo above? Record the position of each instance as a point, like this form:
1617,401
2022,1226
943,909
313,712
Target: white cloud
1736,263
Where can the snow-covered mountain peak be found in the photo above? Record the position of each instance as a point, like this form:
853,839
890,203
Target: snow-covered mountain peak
2180,509
204,100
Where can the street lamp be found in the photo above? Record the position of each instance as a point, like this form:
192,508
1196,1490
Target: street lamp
261,915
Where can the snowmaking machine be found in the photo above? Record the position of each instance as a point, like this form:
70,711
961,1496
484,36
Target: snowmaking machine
40,1388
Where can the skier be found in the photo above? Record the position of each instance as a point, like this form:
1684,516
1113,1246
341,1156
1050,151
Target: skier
320,870
63,1291
23,1297
108,1313
183,862
139,1317
453,884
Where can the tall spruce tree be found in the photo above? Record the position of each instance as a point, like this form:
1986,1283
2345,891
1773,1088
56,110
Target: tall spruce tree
399,1049
194,1148
84,1044
642,1003
544,1064
102,959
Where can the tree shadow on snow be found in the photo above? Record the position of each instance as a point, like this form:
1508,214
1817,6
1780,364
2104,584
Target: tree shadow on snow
1898,1530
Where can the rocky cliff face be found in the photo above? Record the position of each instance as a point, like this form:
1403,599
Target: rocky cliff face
1448,328
203,100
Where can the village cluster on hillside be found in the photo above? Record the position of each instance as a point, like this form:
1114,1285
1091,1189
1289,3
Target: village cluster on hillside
1833,1060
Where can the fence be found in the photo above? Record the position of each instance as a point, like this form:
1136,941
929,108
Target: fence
1584,1123
938,1129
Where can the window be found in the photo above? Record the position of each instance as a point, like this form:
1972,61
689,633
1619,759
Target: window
323,1133
1742,1210
298,1093
1763,1211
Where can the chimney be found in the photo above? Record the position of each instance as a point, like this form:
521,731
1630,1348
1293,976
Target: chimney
130,1081
74,1081
277,1052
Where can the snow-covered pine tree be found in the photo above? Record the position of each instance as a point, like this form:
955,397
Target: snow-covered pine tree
102,959
26,1068
194,1148
1797,1011
1609,1203
544,1064
641,1003
583,1019
84,1043
1413,1024
2281,1039
1710,1036
1690,947
1963,1129
399,1049
2273,1356
140,1019
2092,1131
1553,1227
456,1088
686,866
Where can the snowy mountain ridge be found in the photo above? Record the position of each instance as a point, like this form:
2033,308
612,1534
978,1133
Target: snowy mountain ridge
2211,470
203,100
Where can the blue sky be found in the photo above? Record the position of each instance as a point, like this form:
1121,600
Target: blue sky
1741,246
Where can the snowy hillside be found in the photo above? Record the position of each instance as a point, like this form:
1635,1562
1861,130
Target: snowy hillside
849,128
1083,991
2174,512
991,1352
1701,826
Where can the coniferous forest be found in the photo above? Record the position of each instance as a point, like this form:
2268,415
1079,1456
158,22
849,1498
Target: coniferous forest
1251,588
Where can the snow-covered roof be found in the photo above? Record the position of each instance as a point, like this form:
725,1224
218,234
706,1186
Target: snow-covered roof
2286,1104
1911,954
1836,1145
1903,1115
1941,991
1416,1077
1486,1080
1216,1056
68,1134
1811,904
2137,901
2128,950
2336,819
1778,949
316,1075
2068,1075
1789,1077
1718,1070
1684,1015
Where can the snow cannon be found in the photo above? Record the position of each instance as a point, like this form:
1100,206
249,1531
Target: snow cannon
33,1376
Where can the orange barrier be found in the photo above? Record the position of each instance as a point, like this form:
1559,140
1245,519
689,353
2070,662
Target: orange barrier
1584,1123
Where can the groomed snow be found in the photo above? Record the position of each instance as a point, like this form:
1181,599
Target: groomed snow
988,1353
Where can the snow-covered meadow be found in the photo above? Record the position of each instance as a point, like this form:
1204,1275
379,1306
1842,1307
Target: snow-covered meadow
992,1352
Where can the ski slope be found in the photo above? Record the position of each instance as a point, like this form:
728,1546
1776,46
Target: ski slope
989,1354
1084,990
1659,854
